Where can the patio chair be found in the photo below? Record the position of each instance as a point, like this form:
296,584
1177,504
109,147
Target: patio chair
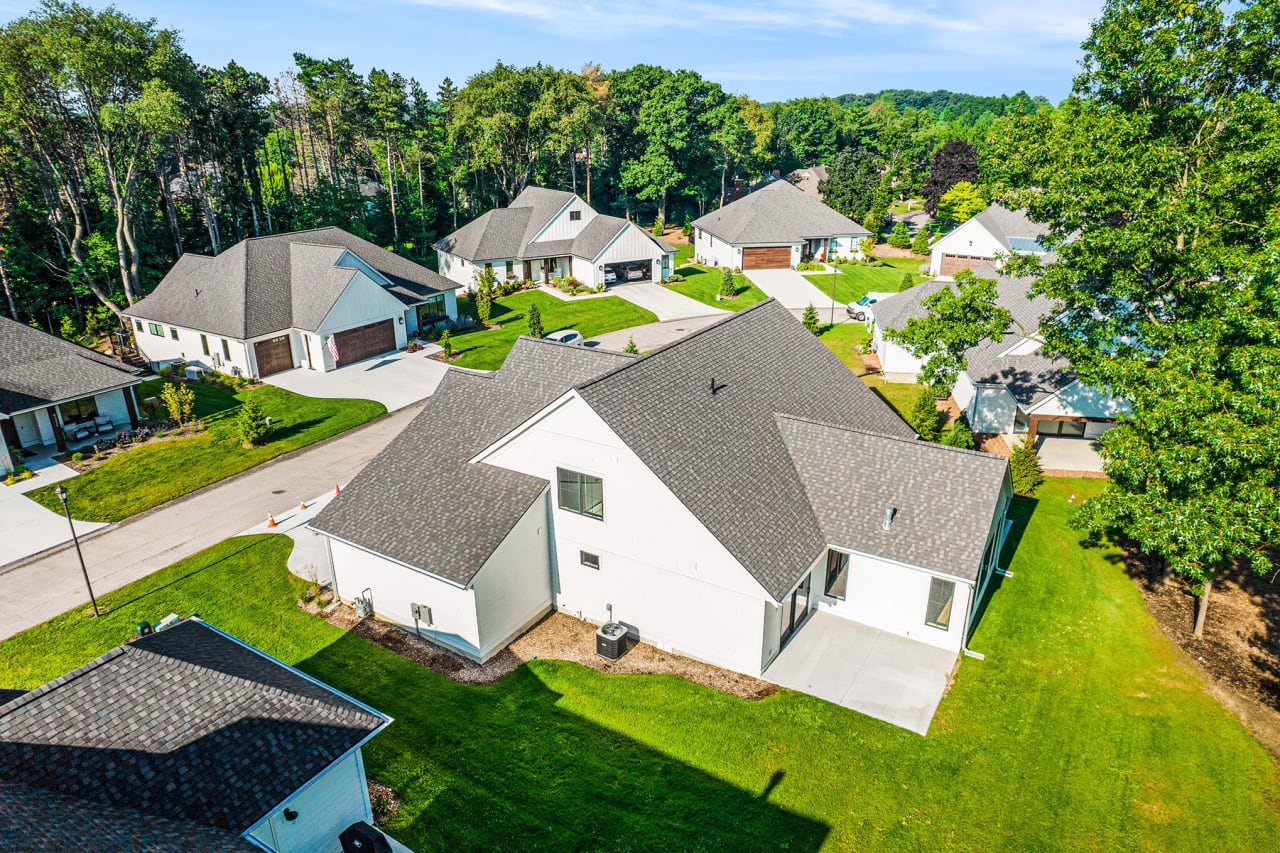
104,425
79,431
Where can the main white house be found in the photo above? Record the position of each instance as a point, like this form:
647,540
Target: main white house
711,495
546,234
774,227
317,299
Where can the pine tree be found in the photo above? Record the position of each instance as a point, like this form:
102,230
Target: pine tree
535,321
920,245
898,237
810,319
924,416
728,288
960,435
251,423
687,228
1025,468
657,225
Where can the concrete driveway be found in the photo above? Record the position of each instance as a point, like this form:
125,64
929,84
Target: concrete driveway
395,380
790,288
882,675
1068,454
664,302
25,526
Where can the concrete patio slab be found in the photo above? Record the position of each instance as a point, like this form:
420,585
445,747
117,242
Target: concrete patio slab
395,380
664,302
882,675
790,288
1068,454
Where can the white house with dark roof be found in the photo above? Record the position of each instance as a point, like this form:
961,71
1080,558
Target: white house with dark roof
774,227
184,739
983,238
1011,387
712,495
546,234
54,393
318,299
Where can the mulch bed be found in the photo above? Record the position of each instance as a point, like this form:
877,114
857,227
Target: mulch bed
989,442
89,462
557,637
1240,649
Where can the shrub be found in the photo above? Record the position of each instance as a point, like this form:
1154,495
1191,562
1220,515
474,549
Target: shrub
99,321
484,305
77,456
867,245
687,228
920,245
728,288
534,321
906,280
898,237
1025,468
737,270
924,416
165,371
178,400
657,225
251,423
446,345
631,345
810,319
67,328
959,435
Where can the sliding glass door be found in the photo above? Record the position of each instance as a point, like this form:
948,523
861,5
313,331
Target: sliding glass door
794,610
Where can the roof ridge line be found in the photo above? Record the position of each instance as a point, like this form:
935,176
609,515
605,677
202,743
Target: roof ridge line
914,442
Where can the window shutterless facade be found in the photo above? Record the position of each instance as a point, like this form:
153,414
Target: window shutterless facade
575,215
837,575
226,349
173,333
941,595
204,344
156,329
591,561
580,493
138,325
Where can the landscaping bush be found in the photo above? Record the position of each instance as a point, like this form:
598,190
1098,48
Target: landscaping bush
1025,468
534,321
906,280
165,372
920,245
959,435
631,345
728,288
446,345
484,306
251,423
77,457
810,319
924,416
657,225
899,238
178,400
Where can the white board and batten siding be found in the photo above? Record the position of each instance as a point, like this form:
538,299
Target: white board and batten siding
1081,401
994,410
971,238
681,591
562,226
327,806
363,301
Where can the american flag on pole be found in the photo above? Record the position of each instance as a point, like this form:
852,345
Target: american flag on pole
332,345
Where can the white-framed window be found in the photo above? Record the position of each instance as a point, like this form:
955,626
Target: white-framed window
591,561
942,594
581,493
156,329
575,215
204,344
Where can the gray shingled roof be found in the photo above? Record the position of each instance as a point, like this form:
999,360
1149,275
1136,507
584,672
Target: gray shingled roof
720,453
252,289
186,724
37,369
450,525
944,498
777,213
1003,223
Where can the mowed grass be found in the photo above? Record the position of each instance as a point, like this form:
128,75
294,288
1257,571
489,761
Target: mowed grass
843,339
854,281
1083,729
151,474
486,349
703,284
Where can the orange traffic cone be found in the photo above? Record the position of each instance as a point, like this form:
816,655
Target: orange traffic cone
337,490
302,506
271,522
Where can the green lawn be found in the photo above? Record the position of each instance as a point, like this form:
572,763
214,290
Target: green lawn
1084,728
486,350
703,283
841,339
147,476
684,254
855,280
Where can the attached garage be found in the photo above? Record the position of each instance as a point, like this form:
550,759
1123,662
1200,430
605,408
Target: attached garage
952,264
766,257
628,272
273,355
365,341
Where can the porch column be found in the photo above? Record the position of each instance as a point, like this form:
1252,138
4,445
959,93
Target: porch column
131,407
58,435
1033,421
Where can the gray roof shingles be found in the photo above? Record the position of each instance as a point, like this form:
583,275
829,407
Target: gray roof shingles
252,289
777,213
185,724
37,369
1003,223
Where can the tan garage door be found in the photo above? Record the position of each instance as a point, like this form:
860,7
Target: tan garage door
766,258
365,341
273,355
952,264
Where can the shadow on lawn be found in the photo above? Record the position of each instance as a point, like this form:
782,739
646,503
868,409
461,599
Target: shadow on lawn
1020,513
507,766
113,607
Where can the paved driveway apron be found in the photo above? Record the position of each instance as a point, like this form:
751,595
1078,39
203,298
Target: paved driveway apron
395,380
790,288
664,302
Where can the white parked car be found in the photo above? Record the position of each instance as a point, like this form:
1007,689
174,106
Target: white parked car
566,336
610,276
861,309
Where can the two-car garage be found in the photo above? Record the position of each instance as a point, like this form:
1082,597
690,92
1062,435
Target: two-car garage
365,341
766,257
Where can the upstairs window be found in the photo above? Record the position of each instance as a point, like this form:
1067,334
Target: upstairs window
837,575
138,325
575,215
173,333
581,493
941,595
591,561
156,329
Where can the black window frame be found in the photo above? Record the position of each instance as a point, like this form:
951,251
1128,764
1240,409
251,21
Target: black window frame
571,483
944,604
575,215
137,324
83,409
591,561
839,557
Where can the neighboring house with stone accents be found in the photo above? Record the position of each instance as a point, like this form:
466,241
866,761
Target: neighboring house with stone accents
54,393
184,739
711,495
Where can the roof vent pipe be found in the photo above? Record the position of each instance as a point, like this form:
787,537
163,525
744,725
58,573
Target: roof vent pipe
888,516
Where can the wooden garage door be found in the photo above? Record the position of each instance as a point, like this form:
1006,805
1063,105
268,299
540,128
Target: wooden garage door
365,341
766,258
952,264
273,355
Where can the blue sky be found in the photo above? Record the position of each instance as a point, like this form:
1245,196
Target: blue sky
768,49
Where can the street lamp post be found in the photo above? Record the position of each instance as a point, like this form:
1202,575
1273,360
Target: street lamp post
61,492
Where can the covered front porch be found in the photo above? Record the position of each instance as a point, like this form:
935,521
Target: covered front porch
877,673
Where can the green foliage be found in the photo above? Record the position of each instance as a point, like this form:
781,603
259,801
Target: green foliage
899,238
534,321
963,201
924,416
67,329
446,344
631,345
728,287
484,305
657,225
852,176
251,422
960,435
77,456
810,318
866,246
907,280
1024,467
920,245
178,400
687,228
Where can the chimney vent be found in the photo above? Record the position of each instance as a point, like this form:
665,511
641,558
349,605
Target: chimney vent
889,512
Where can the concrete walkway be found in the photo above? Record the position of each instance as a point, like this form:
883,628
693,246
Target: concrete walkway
790,288
663,301
38,589
395,380
876,673
26,527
